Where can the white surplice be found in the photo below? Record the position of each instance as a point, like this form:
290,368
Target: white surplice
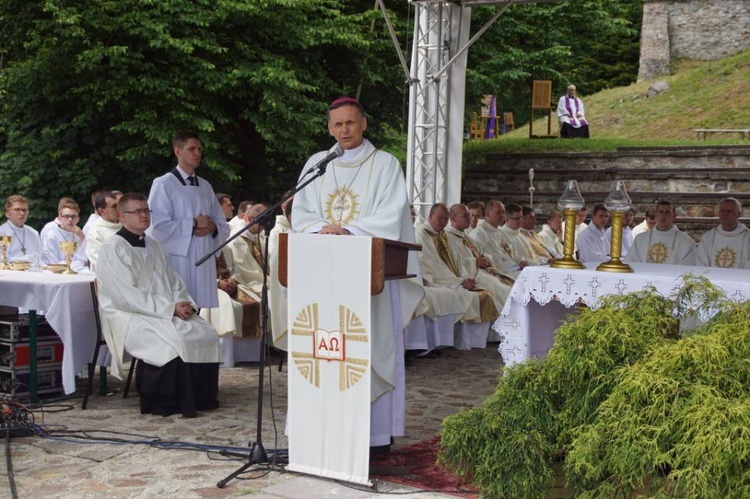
51,252
97,235
25,243
138,291
174,206
593,245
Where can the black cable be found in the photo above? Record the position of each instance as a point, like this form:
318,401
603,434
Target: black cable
9,467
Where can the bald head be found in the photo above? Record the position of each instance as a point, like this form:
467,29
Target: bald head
460,217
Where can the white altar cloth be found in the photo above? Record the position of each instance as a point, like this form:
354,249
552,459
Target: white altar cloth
68,307
543,296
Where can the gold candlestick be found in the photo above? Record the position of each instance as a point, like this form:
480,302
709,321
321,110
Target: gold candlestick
617,203
4,243
570,203
68,247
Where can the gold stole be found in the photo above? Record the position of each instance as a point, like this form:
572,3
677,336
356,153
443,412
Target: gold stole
487,309
257,253
250,307
537,244
490,270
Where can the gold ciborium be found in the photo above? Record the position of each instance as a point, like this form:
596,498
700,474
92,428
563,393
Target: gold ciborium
4,243
68,247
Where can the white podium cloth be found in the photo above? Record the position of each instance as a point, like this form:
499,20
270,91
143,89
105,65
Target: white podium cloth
330,342
542,296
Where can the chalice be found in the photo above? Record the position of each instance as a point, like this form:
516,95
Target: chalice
4,243
68,247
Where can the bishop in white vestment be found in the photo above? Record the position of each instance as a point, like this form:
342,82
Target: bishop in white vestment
364,193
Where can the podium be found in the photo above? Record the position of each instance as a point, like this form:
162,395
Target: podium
389,261
344,343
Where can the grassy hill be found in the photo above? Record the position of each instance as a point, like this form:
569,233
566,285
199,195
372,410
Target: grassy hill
701,94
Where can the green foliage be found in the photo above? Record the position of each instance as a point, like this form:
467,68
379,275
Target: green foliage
91,92
633,407
499,446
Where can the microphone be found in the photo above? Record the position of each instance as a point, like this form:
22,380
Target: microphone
323,163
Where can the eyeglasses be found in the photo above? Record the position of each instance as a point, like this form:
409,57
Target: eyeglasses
70,217
144,211
20,210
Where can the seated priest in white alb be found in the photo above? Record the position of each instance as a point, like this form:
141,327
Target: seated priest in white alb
593,245
25,244
65,229
442,268
491,243
728,244
248,252
516,244
665,243
238,222
150,315
552,233
463,248
277,294
238,312
103,228
627,233
572,116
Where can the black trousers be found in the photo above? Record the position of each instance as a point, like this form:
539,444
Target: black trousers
177,387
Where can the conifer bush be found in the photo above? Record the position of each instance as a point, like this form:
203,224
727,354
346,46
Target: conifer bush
631,404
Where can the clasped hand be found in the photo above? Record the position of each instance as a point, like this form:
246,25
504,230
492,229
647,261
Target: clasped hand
184,310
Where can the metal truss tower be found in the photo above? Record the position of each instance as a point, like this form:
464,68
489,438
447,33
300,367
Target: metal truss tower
437,80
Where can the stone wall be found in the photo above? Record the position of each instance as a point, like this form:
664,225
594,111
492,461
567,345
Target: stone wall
694,179
696,29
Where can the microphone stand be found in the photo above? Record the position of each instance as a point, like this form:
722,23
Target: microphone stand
258,453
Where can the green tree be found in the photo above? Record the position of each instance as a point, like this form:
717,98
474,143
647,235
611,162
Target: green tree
91,92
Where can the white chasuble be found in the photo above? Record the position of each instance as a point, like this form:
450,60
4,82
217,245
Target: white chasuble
725,248
669,246
364,191
138,291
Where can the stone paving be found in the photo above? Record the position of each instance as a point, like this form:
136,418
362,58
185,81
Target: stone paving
65,468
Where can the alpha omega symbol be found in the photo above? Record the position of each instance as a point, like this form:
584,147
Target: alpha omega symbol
326,346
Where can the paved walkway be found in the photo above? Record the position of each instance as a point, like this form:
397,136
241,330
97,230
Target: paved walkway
66,468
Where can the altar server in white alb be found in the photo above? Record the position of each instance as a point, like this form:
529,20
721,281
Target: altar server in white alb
25,245
664,243
364,193
104,227
572,116
188,220
148,313
728,244
65,229
593,245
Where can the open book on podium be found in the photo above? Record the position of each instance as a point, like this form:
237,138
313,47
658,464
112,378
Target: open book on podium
340,346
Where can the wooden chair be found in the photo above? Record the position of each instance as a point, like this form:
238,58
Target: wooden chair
541,100
508,123
476,132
